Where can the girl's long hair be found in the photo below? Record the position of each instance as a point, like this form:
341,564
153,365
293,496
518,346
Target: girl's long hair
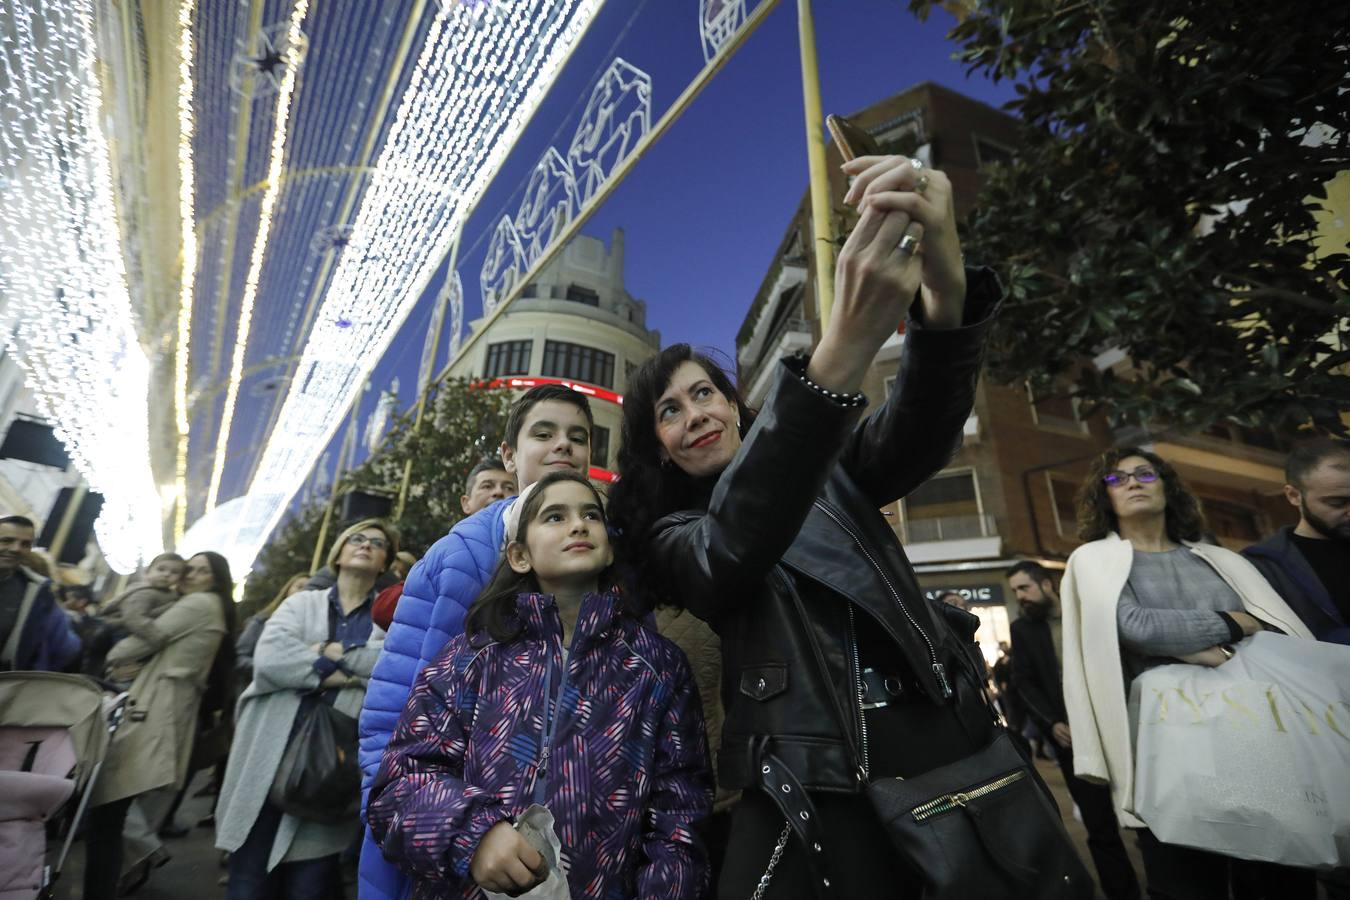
1097,518
493,615
647,489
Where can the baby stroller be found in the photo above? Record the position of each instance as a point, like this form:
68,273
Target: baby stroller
54,732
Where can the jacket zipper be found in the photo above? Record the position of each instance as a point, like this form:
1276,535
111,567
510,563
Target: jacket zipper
551,723
939,670
950,802
864,766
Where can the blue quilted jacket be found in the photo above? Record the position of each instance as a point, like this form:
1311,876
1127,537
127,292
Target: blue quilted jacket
436,596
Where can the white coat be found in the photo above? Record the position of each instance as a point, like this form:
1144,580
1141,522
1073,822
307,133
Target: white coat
1094,682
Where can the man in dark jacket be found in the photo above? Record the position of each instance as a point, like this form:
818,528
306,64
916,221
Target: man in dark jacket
1038,682
1309,564
35,633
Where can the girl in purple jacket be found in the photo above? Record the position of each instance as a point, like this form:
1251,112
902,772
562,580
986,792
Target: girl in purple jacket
556,696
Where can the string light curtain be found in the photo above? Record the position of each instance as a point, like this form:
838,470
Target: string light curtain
66,310
482,72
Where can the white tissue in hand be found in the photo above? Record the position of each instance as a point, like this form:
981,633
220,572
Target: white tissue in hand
536,827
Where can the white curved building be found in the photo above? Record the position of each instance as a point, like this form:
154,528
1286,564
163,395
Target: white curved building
578,322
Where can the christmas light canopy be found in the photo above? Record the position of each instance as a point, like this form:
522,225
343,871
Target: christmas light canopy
67,313
480,71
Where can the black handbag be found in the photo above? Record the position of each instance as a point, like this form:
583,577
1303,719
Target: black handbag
982,827
319,776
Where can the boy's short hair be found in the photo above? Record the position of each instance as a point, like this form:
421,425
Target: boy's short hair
515,420
486,464
167,557
21,521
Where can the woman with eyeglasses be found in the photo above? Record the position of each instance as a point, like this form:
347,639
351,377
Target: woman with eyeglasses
1146,591
319,646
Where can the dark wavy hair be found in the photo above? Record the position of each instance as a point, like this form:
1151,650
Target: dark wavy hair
1096,518
219,695
647,489
493,615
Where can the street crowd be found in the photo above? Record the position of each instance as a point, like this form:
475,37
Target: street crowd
722,678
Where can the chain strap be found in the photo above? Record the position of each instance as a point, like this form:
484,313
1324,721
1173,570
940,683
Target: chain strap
773,863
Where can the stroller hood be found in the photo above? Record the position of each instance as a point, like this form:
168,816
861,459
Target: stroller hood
51,700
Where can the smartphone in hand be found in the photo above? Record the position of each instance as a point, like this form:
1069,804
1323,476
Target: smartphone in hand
851,139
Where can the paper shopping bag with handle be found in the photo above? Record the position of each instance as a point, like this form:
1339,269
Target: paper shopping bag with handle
1250,759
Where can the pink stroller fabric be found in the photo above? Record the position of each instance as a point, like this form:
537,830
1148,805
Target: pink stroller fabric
35,782
54,732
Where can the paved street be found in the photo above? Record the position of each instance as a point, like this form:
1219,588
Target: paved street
194,870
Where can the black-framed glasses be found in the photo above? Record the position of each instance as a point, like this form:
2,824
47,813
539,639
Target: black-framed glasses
358,540
1141,474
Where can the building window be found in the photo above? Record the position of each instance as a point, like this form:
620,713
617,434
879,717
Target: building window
1062,492
578,294
508,358
564,360
600,446
945,508
888,385
1056,410
989,152
1231,521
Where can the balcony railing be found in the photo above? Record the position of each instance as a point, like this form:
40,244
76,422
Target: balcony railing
946,528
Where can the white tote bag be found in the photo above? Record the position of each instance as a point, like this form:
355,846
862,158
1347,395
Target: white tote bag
1250,759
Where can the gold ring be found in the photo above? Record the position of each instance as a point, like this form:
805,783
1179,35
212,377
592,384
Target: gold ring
907,244
922,184
915,163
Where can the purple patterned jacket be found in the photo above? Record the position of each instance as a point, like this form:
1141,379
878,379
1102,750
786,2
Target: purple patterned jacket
628,768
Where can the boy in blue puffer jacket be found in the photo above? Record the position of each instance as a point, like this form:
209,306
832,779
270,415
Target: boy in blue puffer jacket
548,428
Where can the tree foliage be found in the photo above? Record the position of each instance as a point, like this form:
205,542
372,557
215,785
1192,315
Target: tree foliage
1165,202
462,424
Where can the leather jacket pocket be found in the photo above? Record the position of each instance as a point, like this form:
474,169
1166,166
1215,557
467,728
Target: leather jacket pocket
764,682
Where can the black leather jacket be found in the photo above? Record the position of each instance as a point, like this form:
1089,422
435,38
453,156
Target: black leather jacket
793,527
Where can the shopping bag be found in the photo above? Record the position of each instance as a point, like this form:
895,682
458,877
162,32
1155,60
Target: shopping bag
319,776
1250,759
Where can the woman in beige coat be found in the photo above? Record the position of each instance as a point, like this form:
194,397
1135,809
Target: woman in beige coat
154,743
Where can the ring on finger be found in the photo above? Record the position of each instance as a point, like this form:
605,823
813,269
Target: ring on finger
921,184
915,163
909,242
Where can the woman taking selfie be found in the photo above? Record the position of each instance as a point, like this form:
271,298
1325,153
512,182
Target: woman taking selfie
1145,591
834,663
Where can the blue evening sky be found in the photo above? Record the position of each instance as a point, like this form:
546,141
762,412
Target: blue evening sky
704,211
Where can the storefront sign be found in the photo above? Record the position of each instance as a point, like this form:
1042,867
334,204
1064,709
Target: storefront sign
980,594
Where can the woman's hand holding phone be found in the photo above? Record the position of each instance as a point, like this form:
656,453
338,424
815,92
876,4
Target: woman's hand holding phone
896,185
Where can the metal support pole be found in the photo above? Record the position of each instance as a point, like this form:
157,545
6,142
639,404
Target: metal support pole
344,462
67,522
822,223
423,390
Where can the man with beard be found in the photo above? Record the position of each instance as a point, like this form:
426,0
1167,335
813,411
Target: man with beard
35,633
1309,564
1038,682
